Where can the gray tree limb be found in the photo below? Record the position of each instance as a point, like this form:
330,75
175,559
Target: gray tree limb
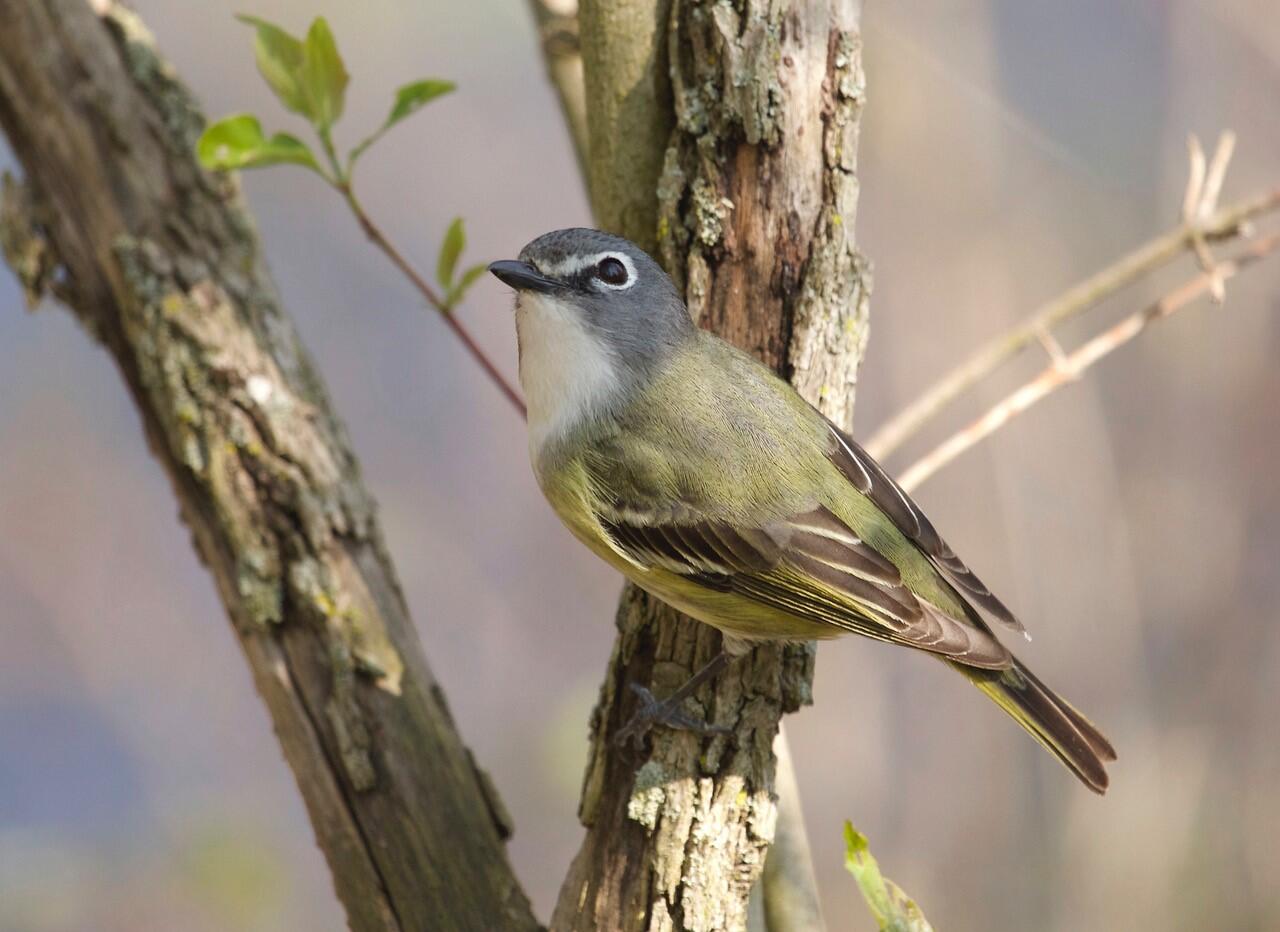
557,24
752,212
628,97
160,262
789,888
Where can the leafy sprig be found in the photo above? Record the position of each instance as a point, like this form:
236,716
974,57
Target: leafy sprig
310,79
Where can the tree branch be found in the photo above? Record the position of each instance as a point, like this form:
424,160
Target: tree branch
1070,367
557,25
628,101
753,216
160,263
1225,223
789,887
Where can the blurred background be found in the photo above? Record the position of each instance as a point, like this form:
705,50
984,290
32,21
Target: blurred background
1009,149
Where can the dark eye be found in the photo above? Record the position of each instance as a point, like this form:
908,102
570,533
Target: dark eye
611,271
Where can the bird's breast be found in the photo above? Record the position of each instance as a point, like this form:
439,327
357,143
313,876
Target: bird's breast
566,371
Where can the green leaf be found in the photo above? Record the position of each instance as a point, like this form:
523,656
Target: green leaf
893,910
455,240
237,142
412,97
409,99
459,290
324,77
279,57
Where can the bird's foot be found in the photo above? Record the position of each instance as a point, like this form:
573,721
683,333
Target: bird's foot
667,712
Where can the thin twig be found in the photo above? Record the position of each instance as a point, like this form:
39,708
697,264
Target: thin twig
1194,195
1216,173
1203,188
1223,224
788,885
376,236
1069,369
557,23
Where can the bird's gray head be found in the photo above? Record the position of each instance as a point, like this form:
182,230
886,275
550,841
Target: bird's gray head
595,316
607,283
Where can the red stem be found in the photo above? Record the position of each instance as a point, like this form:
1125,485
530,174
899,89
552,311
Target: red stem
375,236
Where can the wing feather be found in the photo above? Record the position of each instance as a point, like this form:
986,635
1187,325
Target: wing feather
813,566
869,477
822,536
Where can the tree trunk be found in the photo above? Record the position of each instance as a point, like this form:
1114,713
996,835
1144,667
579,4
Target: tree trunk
750,201
160,262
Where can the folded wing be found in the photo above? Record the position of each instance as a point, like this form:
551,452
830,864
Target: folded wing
811,565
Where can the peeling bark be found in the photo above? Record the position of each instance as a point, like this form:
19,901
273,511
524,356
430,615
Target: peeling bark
160,262
755,207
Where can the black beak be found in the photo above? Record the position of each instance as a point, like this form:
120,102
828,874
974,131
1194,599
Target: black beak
522,276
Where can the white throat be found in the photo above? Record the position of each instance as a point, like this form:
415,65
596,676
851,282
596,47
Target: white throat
567,372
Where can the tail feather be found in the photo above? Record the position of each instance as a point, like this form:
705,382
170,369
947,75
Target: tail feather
1050,719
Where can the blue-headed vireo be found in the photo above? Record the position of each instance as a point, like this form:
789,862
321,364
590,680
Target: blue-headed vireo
710,483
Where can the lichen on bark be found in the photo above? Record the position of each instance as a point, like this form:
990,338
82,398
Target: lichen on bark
26,248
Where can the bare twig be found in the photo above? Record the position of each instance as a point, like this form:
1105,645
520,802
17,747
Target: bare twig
1217,172
379,239
557,23
1070,368
1224,223
1201,199
788,885
1194,195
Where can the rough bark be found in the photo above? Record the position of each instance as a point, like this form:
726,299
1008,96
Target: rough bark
160,262
754,211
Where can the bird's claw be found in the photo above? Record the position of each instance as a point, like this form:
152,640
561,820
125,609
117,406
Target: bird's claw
671,714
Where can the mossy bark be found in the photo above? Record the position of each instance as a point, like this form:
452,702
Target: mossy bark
160,262
752,213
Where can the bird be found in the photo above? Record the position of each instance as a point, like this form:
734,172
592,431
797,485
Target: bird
710,483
